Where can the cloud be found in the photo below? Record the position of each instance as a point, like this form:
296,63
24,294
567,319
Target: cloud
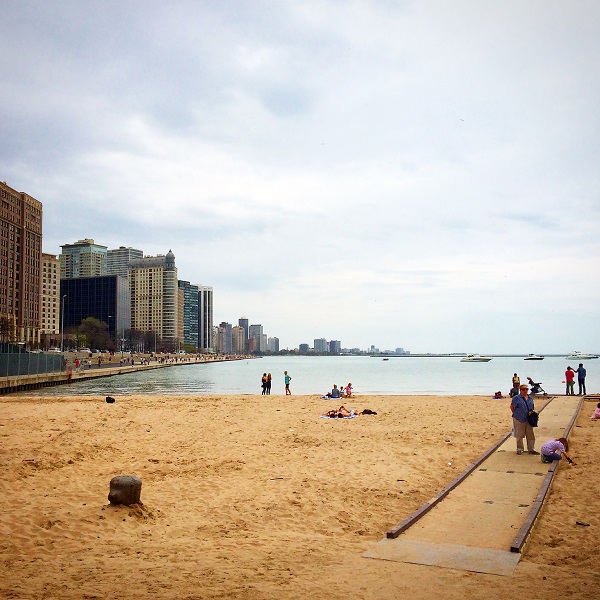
405,174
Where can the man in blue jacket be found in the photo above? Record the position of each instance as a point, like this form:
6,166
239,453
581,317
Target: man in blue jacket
521,405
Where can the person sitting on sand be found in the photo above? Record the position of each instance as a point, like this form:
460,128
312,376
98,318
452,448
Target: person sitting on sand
335,392
348,390
596,414
555,450
498,395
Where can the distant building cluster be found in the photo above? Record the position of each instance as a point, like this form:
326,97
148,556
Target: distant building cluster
244,338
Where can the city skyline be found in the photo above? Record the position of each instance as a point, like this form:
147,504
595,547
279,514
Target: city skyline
421,174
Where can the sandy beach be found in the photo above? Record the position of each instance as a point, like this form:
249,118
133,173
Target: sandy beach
257,497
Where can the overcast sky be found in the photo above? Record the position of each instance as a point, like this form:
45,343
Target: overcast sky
418,174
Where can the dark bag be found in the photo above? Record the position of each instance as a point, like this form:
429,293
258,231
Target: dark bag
533,418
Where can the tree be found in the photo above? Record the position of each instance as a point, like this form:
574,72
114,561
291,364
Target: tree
5,328
95,333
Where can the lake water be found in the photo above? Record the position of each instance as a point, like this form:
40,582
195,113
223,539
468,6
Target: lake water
317,374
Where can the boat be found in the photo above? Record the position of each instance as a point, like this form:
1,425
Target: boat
576,355
475,358
385,359
534,357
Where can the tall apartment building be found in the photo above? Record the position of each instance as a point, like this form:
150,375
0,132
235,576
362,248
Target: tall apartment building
84,258
50,301
189,313
255,333
225,338
20,264
243,323
273,344
118,259
205,318
238,340
155,297
321,345
335,347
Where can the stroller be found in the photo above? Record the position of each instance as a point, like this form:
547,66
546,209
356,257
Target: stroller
536,388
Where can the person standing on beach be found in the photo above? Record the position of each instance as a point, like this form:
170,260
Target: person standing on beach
269,378
263,381
570,380
581,373
287,380
516,382
521,405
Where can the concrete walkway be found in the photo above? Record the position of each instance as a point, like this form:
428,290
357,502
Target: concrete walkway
482,520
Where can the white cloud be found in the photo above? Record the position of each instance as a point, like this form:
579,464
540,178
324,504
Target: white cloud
417,174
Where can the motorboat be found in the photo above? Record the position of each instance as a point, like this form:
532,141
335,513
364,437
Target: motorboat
475,358
576,355
534,357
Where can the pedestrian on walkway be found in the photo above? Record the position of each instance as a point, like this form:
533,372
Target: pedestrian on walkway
581,373
521,405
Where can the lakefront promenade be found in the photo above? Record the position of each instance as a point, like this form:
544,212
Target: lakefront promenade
108,366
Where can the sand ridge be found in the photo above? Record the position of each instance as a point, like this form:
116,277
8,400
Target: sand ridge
257,497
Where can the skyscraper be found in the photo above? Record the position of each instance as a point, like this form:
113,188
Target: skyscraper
155,297
205,318
50,301
20,265
255,333
190,313
118,259
84,258
243,323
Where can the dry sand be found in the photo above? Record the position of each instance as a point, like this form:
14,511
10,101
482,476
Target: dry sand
257,497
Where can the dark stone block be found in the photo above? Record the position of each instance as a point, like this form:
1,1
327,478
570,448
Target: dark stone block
125,489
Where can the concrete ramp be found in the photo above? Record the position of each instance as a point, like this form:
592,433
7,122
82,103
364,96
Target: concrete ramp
479,560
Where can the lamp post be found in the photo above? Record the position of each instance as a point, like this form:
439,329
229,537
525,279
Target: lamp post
62,324
109,318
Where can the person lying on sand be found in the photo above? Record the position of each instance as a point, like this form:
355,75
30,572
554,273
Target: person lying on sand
340,412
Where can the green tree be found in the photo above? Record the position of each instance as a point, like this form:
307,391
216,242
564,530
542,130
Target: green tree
95,333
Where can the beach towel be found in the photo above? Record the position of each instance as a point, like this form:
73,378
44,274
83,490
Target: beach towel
336,418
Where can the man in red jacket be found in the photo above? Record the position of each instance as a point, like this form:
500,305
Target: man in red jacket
570,379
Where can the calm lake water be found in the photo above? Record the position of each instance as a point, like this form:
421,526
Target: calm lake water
317,374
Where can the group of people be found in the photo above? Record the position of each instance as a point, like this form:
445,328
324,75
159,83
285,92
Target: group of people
339,392
342,411
523,408
266,380
266,384
570,380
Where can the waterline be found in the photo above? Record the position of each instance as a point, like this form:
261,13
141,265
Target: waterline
317,374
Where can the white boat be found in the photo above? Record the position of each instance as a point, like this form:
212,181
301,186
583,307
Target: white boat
534,357
576,355
475,358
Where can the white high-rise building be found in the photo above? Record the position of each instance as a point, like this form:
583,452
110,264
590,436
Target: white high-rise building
50,300
155,297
